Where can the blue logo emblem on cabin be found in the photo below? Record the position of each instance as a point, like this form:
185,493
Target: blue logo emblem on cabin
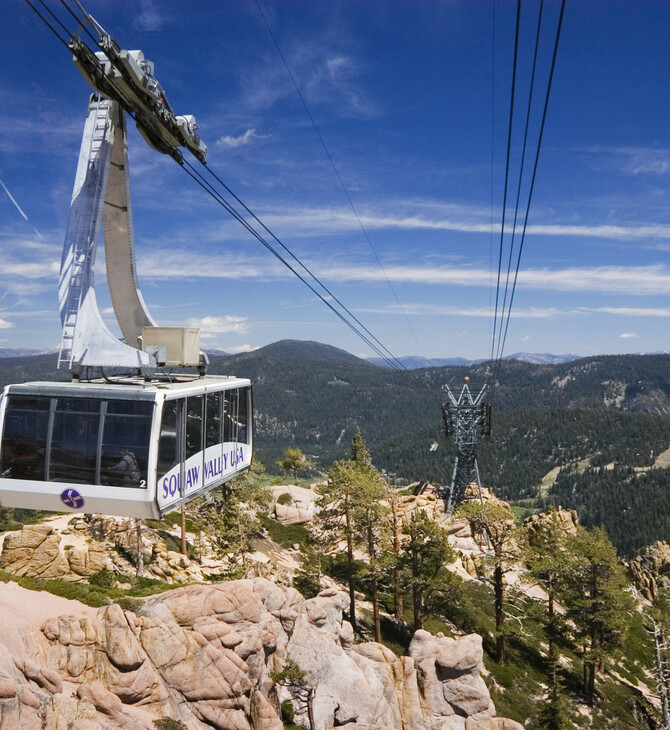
72,498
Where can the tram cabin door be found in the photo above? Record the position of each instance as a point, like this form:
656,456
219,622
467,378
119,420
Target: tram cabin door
205,440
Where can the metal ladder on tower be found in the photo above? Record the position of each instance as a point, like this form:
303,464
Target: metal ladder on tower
86,234
74,301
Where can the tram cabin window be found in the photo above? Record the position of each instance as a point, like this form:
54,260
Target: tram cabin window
235,416
24,444
194,433
76,440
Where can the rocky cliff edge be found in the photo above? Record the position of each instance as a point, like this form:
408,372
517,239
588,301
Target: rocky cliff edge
204,655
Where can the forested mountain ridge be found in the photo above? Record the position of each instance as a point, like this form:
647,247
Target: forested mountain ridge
593,412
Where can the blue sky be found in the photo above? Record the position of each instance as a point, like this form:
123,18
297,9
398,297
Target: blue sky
412,101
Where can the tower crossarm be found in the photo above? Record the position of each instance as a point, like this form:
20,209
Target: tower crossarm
128,78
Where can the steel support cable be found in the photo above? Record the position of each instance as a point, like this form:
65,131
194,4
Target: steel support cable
82,23
47,23
54,16
337,174
192,172
537,157
493,126
521,171
509,146
297,260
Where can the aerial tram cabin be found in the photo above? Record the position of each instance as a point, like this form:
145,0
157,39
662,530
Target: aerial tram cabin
135,445
128,447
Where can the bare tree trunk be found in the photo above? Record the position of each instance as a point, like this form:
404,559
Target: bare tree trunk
590,683
183,530
661,677
373,582
140,558
499,594
350,565
417,592
310,708
397,572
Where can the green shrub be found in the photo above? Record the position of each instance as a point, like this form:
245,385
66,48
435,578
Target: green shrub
104,578
125,554
143,586
306,584
167,723
287,711
129,604
285,535
285,498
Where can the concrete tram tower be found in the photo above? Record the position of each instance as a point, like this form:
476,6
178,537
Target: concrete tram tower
467,416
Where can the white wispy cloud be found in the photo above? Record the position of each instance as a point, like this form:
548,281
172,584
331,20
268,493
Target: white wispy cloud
423,310
242,140
627,335
630,280
644,160
633,280
26,270
634,311
185,264
240,348
5,324
149,18
317,221
211,326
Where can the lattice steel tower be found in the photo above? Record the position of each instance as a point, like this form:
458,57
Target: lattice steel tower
466,417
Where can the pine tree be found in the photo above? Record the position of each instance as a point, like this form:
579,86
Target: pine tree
336,514
424,556
370,512
596,599
354,506
301,685
553,714
658,621
294,462
494,524
544,554
395,555
233,520
359,451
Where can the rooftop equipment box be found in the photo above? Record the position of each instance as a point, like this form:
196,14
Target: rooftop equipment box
182,344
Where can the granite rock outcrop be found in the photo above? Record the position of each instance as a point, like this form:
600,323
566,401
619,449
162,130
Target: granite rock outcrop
205,655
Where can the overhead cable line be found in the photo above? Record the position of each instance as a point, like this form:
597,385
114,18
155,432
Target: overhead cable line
47,23
535,164
388,355
337,173
502,314
195,175
507,165
521,171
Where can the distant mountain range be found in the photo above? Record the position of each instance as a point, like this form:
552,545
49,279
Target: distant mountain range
25,352
414,362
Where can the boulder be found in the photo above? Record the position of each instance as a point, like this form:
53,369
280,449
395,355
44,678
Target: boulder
299,509
450,674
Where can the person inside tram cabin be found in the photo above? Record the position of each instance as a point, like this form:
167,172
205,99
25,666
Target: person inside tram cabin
25,462
127,470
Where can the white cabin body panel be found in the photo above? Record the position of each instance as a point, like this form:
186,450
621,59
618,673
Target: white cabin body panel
125,447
